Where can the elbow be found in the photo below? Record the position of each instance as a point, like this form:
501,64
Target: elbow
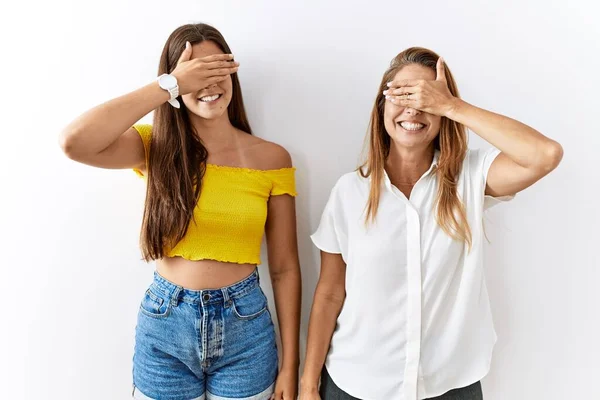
331,301
285,270
552,156
331,295
67,140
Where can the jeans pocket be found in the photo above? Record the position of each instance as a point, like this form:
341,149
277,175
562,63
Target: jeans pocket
154,305
250,305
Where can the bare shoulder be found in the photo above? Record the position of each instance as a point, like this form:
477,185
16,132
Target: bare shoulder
275,156
267,155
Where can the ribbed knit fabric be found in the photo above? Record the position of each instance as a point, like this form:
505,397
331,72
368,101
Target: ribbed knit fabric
229,219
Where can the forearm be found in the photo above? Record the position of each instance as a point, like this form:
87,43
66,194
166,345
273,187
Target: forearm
323,317
287,290
521,143
99,127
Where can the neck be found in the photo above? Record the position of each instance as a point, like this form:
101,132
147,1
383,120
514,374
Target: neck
214,132
406,166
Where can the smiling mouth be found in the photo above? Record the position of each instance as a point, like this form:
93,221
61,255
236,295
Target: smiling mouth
208,99
411,126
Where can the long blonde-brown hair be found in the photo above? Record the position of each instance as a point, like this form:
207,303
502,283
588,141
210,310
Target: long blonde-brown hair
178,157
451,141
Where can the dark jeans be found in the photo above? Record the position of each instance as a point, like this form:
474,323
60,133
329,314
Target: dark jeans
330,391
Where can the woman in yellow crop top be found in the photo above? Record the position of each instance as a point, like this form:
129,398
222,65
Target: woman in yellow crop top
213,189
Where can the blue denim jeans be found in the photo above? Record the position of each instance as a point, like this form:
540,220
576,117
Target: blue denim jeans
204,344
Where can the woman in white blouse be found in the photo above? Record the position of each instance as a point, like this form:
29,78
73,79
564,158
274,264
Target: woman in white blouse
401,309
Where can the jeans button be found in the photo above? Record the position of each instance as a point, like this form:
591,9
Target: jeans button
206,297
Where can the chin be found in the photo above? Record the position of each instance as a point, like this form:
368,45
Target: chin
409,144
410,140
210,115
203,113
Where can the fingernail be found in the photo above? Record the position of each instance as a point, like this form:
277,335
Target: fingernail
389,84
387,97
385,92
187,45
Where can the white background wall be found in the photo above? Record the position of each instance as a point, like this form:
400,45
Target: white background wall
71,276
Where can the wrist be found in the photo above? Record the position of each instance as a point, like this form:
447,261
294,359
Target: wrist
309,386
180,82
454,107
169,84
309,380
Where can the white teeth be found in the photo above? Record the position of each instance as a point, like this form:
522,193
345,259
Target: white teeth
411,126
210,98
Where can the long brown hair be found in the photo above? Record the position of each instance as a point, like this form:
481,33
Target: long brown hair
451,141
177,161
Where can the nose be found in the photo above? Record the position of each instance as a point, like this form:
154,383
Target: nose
209,86
412,111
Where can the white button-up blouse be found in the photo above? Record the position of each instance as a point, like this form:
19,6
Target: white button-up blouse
416,321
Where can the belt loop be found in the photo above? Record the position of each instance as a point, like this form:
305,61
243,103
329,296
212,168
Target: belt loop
226,299
175,296
257,275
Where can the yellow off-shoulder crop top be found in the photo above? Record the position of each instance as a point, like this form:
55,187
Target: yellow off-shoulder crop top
229,219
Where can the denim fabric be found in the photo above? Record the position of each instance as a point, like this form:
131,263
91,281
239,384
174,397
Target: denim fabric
330,391
196,344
